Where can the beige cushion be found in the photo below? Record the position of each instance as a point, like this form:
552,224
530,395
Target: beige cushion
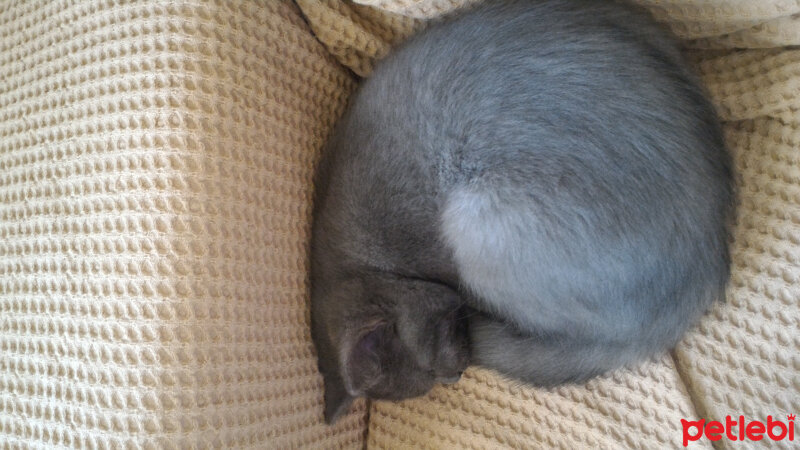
155,186
744,358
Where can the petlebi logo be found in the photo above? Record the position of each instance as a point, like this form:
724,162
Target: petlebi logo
739,429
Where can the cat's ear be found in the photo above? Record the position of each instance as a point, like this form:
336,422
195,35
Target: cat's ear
363,362
361,370
337,399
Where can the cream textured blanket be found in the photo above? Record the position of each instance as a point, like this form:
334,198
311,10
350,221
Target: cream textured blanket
155,185
745,356
156,159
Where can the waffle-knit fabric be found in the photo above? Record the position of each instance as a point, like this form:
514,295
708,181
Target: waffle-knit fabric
744,357
155,184
717,24
356,35
362,31
627,409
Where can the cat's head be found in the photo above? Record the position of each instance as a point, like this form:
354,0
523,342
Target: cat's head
386,338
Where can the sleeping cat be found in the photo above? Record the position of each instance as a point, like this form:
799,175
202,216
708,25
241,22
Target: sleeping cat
538,187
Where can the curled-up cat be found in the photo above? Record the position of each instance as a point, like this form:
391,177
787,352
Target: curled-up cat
538,187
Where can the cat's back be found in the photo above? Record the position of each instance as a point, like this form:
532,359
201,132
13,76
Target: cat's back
512,71
579,169
583,172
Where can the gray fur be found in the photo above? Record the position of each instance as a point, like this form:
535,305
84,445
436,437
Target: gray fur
549,172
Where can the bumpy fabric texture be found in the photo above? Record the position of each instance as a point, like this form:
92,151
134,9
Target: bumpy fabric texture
357,35
359,32
155,186
627,409
744,357
156,161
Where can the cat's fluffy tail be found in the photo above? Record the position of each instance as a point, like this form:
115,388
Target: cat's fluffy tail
546,360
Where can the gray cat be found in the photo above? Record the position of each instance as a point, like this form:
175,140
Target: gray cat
538,187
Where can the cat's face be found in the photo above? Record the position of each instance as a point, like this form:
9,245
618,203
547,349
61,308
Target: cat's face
386,338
